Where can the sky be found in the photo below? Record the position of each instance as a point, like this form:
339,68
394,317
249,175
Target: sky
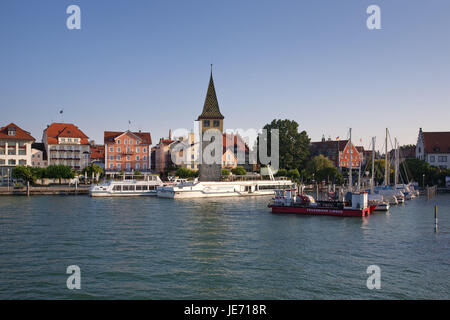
148,62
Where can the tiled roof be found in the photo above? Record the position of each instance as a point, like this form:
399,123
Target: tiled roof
436,142
211,107
97,152
64,130
20,133
109,136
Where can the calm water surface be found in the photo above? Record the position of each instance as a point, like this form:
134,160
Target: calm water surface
150,248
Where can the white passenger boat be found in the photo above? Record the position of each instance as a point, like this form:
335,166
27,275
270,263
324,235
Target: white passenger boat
122,188
206,189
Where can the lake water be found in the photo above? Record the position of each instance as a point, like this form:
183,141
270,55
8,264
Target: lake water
226,248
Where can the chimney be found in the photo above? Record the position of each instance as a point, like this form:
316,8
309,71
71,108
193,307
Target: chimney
170,134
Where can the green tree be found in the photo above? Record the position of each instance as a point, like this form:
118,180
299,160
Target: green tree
185,173
322,168
239,171
293,145
293,174
24,173
225,172
281,173
93,168
59,171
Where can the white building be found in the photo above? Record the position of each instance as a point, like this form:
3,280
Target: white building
434,148
15,146
67,145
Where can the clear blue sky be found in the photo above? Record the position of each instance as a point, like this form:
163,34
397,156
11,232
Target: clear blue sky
148,62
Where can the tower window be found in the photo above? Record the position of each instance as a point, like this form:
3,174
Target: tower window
206,123
216,123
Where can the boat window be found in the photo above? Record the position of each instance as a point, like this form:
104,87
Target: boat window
145,188
139,187
116,188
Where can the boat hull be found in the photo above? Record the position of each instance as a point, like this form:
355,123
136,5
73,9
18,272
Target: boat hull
346,212
122,194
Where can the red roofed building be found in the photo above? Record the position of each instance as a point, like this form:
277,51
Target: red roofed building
15,146
434,148
337,151
127,151
98,155
66,144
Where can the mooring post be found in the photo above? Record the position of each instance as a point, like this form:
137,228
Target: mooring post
435,219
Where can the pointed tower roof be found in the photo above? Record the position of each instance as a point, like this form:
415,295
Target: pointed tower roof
211,107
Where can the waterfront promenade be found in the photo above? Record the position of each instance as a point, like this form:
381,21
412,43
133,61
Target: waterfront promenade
46,190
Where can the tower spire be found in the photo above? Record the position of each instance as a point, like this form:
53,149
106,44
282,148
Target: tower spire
211,106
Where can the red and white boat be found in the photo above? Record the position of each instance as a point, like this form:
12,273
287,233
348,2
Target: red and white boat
287,201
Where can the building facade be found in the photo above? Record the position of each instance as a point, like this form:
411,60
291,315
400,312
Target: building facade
434,148
338,152
127,151
67,145
15,146
38,155
98,155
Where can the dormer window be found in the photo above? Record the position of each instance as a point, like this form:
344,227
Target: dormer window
206,123
12,132
436,149
216,123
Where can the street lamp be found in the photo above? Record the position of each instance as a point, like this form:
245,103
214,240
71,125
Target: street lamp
423,180
8,179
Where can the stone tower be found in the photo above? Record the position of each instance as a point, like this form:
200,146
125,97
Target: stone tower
210,119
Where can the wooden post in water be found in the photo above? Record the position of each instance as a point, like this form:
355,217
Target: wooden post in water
435,219
28,188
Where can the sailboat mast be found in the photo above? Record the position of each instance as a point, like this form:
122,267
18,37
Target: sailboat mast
373,166
386,174
396,163
350,182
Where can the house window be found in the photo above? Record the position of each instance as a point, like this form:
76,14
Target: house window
118,158
137,158
144,166
118,149
138,149
118,166
128,158
131,141
118,141
111,149
110,165
12,162
128,166
216,123
144,158
145,150
125,141
442,158
137,166
111,158
12,132
206,123
431,158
